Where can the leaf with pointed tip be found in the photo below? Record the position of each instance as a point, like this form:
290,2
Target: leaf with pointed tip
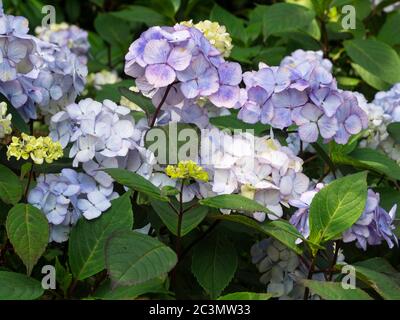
133,258
16,286
88,237
10,186
135,182
334,291
337,207
382,283
28,231
191,218
214,263
234,202
281,230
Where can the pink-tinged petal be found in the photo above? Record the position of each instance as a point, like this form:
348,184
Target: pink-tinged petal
265,78
327,126
133,69
353,124
311,112
230,73
289,98
318,96
298,117
249,113
208,82
308,132
156,51
190,89
267,112
282,118
282,79
342,136
331,104
258,95
16,51
227,96
160,75
322,76
179,58
136,49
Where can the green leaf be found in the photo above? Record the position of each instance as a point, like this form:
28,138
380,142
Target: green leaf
376,57
116,35
382,283
214,263
17,120
246,296
232,122
16,286
136,182
64,277
133,258
233,24
369,78
234,202
389,32
191,219
28,231
88,238
279,18
281,230
130,292
10,186
173,142
378,264
284,232
335,291
394,131
244,55
111,91
388,197
370,159
142,102
141,14
337,207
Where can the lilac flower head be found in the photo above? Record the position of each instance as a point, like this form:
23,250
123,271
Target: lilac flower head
61,78
66,36
183,58
18,51
374,226
103,135
36,73
64,198
302,91
259,168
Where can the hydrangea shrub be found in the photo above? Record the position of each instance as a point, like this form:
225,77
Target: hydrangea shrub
240,156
